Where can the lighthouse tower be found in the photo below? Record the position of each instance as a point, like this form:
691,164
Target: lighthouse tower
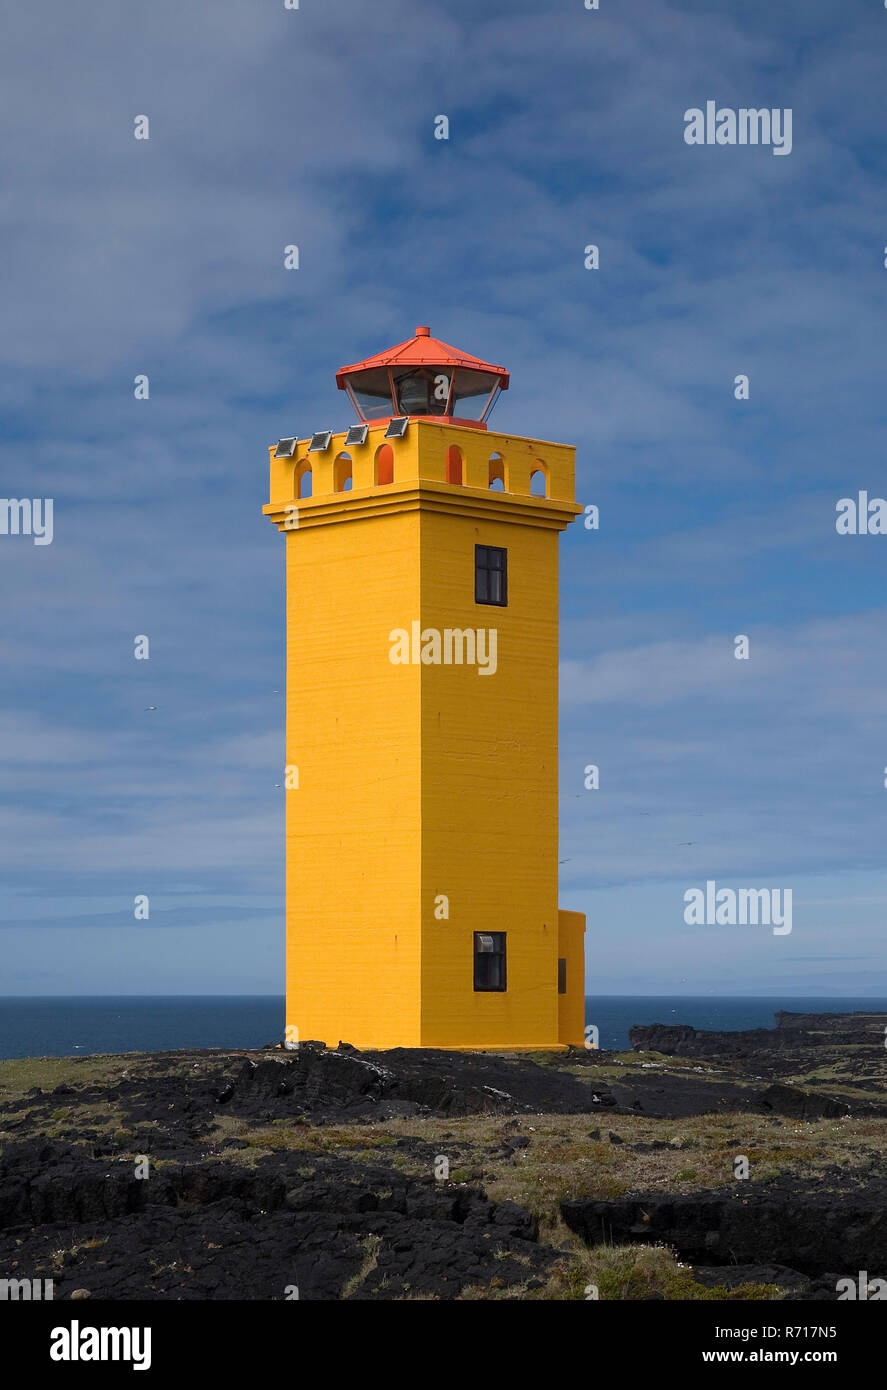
421,717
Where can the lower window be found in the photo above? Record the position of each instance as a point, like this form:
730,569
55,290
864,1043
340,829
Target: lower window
489,960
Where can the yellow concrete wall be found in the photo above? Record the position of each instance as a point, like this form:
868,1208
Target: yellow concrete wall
571,1006
421,453
422,780
353,826
489,789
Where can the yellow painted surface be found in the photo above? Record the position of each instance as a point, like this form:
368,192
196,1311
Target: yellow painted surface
489,788
423,782
422,455
571,1006
353,825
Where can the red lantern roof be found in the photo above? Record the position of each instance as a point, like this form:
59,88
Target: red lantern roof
424,351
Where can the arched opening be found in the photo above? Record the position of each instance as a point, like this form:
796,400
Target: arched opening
454,465
384,470
303,479
497,473
342,473
539,480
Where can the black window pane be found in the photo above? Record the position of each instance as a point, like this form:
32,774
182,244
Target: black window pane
491,575
489,961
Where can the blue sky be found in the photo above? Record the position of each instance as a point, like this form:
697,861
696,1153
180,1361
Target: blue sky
315,127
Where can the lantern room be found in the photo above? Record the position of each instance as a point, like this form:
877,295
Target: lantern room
426,379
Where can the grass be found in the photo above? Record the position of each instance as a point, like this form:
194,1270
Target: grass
629,1273
18,1075
70,1253
562,1161
371,1245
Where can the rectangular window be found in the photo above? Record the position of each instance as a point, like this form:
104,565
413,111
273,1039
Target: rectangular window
489,960
562,975
491,575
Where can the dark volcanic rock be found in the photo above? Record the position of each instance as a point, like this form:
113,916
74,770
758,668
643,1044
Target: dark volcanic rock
805,1225
831,1050
335,1086
801,1105
662,1096
318,1086
793,1030
679,1040
731,1276
274,1208
858,1025
328,1225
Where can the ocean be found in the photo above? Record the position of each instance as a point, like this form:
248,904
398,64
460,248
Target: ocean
65,1027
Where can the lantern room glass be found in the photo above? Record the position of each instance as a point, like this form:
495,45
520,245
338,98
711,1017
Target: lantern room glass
422,391
371,393
473,393
457,393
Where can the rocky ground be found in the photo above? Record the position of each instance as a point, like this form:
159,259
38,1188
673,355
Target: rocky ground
410,1174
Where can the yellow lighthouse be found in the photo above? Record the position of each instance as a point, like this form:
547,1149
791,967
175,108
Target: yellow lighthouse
421,717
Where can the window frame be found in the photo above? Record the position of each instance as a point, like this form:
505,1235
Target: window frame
485,570
500,952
